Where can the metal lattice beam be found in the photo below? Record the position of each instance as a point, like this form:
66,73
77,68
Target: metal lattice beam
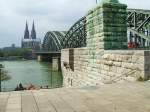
138,22
53,41
76,36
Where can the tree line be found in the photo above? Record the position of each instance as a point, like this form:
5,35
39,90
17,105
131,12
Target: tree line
15,52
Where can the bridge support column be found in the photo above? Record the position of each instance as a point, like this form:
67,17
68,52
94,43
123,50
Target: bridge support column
140,41
106,26
44,58
56,66
130,37
143,42
136,41
39,58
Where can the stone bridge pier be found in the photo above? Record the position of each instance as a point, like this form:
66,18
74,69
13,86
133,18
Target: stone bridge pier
106,58
52,57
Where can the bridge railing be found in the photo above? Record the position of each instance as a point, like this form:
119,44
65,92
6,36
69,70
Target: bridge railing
138,22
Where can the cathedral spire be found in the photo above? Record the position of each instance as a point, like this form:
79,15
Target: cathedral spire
33,32
26,33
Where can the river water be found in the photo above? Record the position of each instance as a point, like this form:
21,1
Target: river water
30,72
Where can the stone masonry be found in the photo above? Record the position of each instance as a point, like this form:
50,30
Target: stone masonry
106,27
111,67
106,58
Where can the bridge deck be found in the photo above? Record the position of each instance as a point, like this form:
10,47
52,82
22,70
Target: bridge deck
125,97
47,52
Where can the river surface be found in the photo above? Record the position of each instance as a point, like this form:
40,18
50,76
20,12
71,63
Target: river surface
30,72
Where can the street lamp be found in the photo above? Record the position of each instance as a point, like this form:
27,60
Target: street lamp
1,66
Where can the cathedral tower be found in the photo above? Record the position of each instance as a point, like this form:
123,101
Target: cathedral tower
31,41
26,33
33,32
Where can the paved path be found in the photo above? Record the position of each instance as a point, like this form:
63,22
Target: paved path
125,97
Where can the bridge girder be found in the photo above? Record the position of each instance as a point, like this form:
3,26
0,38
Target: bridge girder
75,37
138,22
53,41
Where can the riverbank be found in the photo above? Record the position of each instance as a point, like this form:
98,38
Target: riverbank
12,58
3,74
5,77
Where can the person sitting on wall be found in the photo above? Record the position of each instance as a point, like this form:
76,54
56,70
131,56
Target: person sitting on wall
17,88
21,87
131,45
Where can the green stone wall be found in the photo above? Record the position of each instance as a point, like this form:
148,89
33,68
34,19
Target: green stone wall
106,26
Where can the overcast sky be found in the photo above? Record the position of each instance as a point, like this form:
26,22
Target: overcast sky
48,15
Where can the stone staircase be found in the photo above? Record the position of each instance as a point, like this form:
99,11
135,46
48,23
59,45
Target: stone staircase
121,77
124,97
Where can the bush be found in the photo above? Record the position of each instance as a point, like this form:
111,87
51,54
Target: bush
4,75
141,79
1,53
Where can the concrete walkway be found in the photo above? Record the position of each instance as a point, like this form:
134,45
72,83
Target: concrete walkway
125,97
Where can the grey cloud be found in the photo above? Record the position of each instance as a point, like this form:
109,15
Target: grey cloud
48,15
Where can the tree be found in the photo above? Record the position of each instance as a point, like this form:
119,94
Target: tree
16,52
1,53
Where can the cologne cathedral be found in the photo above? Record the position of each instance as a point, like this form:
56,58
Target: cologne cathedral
30,41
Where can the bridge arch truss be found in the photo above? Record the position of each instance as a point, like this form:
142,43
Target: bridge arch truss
76,36
138,23
53,40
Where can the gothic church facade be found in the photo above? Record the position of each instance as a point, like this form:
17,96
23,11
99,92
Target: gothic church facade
30,41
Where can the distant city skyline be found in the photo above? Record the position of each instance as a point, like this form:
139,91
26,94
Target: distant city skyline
48,15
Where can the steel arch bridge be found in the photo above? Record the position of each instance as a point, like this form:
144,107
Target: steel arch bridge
76,36
138,22
53,41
